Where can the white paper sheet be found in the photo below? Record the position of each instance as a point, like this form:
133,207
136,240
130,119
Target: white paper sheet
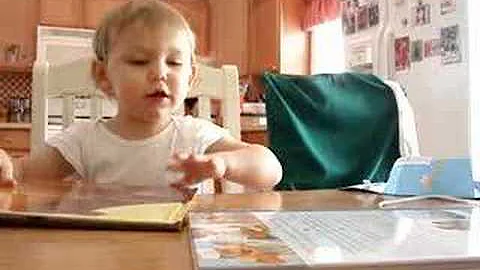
373,236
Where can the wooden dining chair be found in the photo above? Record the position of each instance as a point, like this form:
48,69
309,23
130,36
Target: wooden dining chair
66,75
220,84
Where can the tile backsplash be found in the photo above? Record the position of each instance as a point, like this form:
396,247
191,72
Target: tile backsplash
14,85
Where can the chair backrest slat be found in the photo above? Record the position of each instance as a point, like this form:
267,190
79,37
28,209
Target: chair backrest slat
67,111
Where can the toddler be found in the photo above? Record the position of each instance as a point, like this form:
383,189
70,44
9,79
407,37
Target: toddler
144,60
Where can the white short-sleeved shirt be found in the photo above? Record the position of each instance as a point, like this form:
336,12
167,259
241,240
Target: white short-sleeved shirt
99,155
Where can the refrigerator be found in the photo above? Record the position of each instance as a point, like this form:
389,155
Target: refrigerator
431,47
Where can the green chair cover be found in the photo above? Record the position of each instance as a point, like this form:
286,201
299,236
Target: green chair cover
331,130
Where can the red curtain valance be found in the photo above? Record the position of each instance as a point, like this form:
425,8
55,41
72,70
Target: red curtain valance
320,11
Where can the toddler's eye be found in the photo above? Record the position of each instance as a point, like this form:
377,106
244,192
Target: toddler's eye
175,63
138,62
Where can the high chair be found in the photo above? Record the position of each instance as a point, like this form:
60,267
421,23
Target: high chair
336,130
62,70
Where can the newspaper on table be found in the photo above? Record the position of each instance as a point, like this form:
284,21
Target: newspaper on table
389,239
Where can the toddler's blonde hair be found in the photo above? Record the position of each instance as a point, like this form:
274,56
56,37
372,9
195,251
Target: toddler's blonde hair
148,12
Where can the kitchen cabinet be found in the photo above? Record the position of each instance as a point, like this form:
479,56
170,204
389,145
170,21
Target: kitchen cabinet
18,20
88,13
276,40
197,13
256,35
66,13
259,35
276,37
253,34
264,33
254,129
95,9
229,33
75,13
294,41
255,136
15,139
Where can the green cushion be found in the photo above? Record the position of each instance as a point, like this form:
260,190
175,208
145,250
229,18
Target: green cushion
331,130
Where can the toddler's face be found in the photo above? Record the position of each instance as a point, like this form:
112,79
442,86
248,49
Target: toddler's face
150,70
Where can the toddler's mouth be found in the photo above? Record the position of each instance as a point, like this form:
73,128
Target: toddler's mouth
158,94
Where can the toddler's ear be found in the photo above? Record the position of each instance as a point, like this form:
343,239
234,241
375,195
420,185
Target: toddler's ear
99,75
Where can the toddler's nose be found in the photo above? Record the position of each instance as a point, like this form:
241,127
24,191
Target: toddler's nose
162,70
159,73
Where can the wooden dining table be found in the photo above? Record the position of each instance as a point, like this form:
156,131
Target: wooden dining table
62,249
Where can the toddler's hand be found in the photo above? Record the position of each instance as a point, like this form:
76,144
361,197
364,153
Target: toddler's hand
196,168
6,171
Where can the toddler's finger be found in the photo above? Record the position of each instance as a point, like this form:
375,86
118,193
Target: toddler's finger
173,176
181,156
176,162
179,185
174,165
186,192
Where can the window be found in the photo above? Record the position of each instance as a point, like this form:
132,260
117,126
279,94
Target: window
327,48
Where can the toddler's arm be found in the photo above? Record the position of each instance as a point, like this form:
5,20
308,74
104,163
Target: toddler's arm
45,166
251,165
6,170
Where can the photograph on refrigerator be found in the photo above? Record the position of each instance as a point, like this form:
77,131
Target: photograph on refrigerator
417,50
402,53
431,48
421,14
448,6
359,15
362,18
348,16
450,44
373,14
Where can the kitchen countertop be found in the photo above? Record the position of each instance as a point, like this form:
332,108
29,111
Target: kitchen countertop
253,123
4,124
249,123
